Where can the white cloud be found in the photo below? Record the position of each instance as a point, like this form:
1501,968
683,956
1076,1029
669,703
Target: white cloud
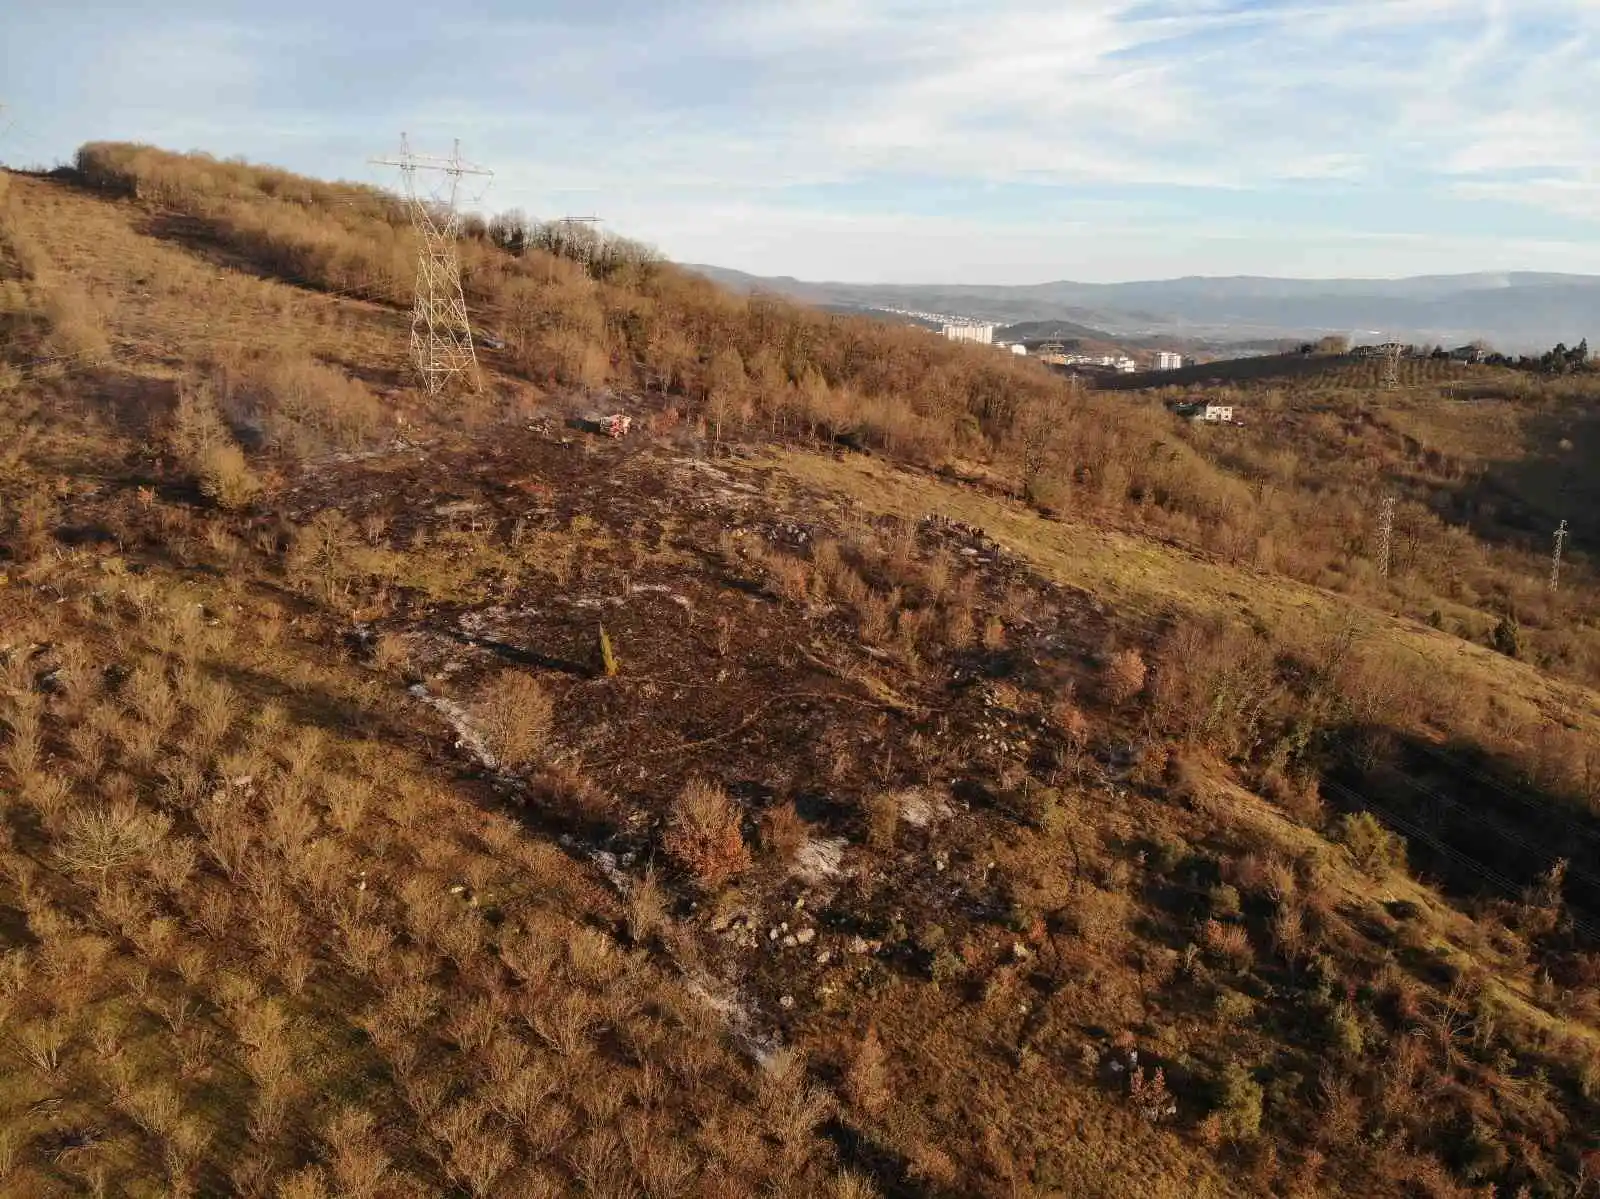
713,125
1577,198
1115,92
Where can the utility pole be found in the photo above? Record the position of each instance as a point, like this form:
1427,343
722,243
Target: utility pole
441,337
1555,558
1390,380
1385,534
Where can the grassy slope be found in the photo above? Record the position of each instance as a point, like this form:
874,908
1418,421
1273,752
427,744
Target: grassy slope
999,1052
1152,581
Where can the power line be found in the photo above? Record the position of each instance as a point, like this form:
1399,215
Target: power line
441,336
1464,812
1543,808
1419,833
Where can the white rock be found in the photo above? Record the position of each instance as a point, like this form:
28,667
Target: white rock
806,935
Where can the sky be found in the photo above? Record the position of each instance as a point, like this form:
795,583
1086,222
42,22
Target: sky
1007,141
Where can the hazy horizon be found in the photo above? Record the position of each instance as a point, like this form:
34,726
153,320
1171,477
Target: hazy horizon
995,143
1064,279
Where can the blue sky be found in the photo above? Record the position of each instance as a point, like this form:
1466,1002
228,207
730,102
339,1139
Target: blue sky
1007,141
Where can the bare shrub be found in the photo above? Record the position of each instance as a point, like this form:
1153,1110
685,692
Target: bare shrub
200,440
647,908
516,713
866,1082
850,1185
1100,918
1123,676
320,552
226,477
27,530
704,835
1228,941
783,832
792,1105
293,401
23,746
959,627
1239,1100
883,819
41,1043
791,576
392,651
100,839
1069,721
1375,849
876,615
994,634
575,796
76,328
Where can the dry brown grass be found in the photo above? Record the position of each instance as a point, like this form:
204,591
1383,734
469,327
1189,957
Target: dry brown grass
261,963
339,920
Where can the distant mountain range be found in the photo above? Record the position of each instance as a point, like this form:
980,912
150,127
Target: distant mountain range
1519,310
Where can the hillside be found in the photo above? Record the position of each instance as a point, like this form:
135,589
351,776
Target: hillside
887,770
1517,311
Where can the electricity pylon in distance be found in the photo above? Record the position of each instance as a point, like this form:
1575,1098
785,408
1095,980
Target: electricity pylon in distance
1385,534
1391,366
441,336
1555,558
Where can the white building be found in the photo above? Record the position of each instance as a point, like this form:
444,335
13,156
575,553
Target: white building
1167,360
1126,365
1220,414
981,334
1020,349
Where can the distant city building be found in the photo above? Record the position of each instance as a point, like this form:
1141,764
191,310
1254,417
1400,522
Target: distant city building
981,334
1167,360
1019,349
1125,366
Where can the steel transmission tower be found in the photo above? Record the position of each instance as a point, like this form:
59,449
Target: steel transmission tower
1385,534
581,247
441,337
1390,380
1555,558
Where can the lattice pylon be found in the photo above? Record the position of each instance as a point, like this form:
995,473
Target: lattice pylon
1385,535
441,334
1555,557
1391,367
